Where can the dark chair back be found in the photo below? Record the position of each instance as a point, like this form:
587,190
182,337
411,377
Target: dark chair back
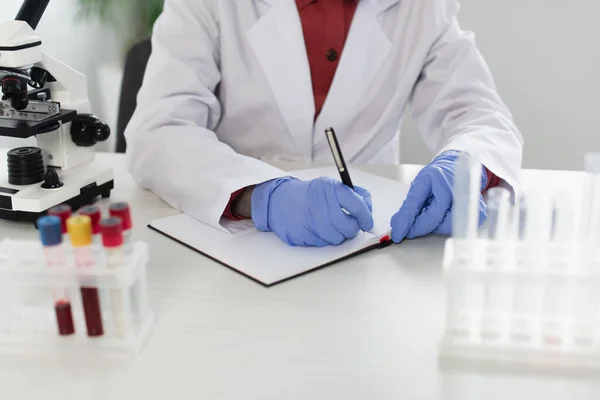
133,76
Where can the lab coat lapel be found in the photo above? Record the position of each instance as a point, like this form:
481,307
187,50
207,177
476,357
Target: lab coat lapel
278,42
366,49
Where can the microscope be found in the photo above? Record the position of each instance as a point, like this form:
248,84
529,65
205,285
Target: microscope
44,98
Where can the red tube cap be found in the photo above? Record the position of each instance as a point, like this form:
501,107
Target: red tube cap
112,231
95,215
122,211
62,211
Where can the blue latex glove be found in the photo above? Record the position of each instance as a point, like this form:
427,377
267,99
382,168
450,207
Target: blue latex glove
310,213
428,205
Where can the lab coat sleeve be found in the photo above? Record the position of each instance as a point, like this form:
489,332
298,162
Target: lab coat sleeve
457,107
171,144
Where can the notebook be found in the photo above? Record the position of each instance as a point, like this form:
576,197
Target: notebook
263,257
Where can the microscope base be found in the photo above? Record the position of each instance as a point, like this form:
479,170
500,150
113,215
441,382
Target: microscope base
81,186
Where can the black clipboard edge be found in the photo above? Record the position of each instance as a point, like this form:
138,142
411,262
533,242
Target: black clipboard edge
379,245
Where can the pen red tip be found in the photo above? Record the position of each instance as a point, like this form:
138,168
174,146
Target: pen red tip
385,239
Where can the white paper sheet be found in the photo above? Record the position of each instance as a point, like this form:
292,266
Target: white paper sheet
264,257
258,255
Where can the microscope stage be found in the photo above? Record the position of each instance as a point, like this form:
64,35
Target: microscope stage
81,186
24,129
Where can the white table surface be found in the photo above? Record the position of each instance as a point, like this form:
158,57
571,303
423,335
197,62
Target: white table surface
367,328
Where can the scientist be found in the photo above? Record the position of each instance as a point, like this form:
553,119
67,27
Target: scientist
233,86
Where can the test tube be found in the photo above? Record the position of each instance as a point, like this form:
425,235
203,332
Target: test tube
461,296
121,210
591,209
537,227
592,167
112,239
522,206
583,314
137,294
554,302
547,296
498,207
523,301
51,237
585,305
80,231
95,216
572,297
467,189
497,296
62,211
563,219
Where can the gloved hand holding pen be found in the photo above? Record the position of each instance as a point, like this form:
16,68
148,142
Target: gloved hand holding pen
428,205
320,212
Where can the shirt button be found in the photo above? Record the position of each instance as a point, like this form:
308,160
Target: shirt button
332,55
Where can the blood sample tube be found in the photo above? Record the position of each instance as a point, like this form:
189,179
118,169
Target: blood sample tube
121,210
63,212
95,216
112,239
80,232
51,236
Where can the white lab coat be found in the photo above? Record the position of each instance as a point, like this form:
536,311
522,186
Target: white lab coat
228,87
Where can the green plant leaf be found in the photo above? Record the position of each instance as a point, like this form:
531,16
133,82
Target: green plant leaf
136,16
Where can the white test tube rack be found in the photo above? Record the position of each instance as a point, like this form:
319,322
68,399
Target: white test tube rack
28,323
554,327
524,290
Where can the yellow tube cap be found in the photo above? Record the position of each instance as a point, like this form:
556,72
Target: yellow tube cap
80,230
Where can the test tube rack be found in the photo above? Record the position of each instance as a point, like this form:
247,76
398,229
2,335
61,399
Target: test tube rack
28,321
522,304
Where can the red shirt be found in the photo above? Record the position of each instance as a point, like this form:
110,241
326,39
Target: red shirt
325,24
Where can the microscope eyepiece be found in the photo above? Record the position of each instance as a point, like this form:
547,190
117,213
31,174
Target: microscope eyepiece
87,130
15,90
32,11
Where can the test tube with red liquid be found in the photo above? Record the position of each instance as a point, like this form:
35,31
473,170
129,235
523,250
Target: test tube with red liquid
64,212
121,210
80,231
95,216
51,236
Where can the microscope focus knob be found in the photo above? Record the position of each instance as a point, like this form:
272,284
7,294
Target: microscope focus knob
87,130
51,180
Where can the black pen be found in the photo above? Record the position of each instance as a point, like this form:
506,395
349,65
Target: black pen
338,157
345,174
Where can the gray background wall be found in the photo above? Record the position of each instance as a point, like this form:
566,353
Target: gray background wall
545,56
